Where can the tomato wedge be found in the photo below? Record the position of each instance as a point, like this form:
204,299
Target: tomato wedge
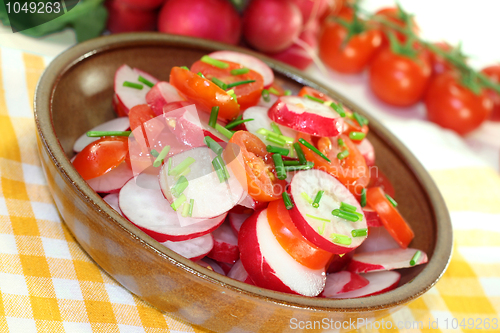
292,240
140,114
203,93
390,216
255,166
101,156
247,94
315,93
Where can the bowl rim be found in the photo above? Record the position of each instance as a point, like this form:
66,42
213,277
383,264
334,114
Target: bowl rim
433,271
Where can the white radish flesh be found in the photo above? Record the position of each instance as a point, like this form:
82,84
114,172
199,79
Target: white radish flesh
379,282
225,247
193,121
378,239
239,273
386,260
366,149
112,200
127,97
112,181
343,282
211,265
160,95
261,120
194,249
267,104
236,220
116,124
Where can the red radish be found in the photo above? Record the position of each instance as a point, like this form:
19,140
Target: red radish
271,25
379,282
311,9
112,200
269,265
112,181
260,117
267,104
194,248
125,18
319,225
386,260
307,116
366,149
207,19
236,221
211,265
379,239
339,262
239,273
126,97
247,61
160,95
343,282
225,245
143,4
249,202
372,218
143,204
116,124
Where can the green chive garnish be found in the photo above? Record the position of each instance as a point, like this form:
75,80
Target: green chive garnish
276,141
224,131
219,83
191,205
212,144
95,134
306,197
307,166
214,62
234,84
237,122
348,208
357,135
317,218
362,201
280,168
340,142
180,186
360,119
312,98
314,149
213,116
182,166
345,215
291,162
315,203
218,165
240,71
154,153
161,156
287,200
415,258
133,85
288,92
338,108
273,91
170,160
343,154
391,200
360,216
359,232
341,239
178,202
184,173
265,95
232,94
322,229
200,74
276,128
145,81
184,67
185,209
300,153
277,150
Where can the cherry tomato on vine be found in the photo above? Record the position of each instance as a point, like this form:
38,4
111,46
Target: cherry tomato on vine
493,72
398,17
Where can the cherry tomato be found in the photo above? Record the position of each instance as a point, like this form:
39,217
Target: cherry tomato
247,94
203,93
101,156
292,240
398,79
390,216
438,63
451,105
140,114
493,72
395,16
379,179
254,166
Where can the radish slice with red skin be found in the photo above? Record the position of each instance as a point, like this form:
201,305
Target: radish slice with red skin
225,247
272,99
372,218
236,221
249,202
112,181
211,265
385,260
224,265
379,282
305,216
116,124
127,98
142,203
269,265
379,240
260,117
247,61
194,248
339,262
239,273
160,95
366,149
112,200
343,282
193,121
307,116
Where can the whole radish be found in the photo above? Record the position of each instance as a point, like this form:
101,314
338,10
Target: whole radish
311,9
272,25
123,18
143,4
208,19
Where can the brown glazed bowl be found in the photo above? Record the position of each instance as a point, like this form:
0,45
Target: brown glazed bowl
75,94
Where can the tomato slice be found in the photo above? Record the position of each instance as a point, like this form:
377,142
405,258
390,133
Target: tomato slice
390,216
255,166
140,114
379,179
203,93
292,240
315,93
247,94
101,156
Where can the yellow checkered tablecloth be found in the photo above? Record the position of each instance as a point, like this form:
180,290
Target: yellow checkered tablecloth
49,284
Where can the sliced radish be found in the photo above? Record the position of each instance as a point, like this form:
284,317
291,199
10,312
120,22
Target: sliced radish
307,116
194,249
223,265
239,273
160,95
112,181
267,104
248,61
142,202
319,225
225,245
379,282
117,124
386,260
269,265
260,117
366,149
379,240
372,218
249,202
343,282
112,200
211,265
236,220
127,98
339,262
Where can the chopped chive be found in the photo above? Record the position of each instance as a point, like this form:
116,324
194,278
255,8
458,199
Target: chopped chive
234,84
391,200
213,116
237,122
226,172
362,201
268,133
239,71
322,229
219,83
339,108
348,208
277,150
169,166
224,131
340,142
341,239
287,139
314,149
287,200
214,62
191,205
180,186
182,166
161,156
200,74
184,67
345,215
145,81
185,209
273,91
280,168
178,202
360,119
275,140
288,92
95,134
357,135
415,258
184,173
265,95
276,128
129,84
307,166
232,94
306,197
317,218
312,98
291,163
360,216
343,154
154,153
218,165
300,153
315,203
212,144
359,232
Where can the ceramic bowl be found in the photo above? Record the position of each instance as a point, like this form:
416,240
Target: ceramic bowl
75,94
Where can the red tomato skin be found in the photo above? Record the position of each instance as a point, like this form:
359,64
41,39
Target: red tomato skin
452,106
493,72
397,79
391,14
440,65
